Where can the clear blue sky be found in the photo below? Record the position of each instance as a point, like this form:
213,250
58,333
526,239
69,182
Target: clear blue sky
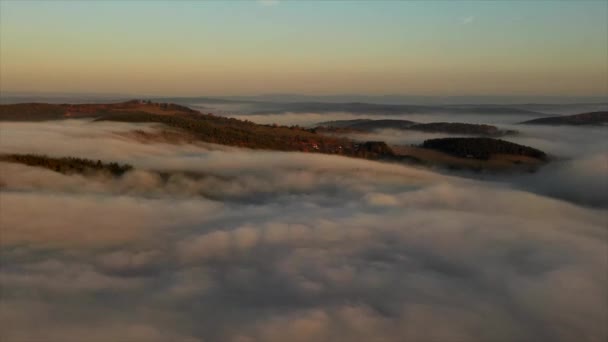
320,47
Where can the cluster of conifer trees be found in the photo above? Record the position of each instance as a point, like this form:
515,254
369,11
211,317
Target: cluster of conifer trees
481,148
67,165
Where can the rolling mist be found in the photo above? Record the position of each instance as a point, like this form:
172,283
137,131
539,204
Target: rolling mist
210,243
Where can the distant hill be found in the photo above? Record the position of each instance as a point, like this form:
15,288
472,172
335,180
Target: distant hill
496,162
584,119
564,108
481,148
342,123
387,109
32,112
201,127
514,101
367,125
47,111
461,128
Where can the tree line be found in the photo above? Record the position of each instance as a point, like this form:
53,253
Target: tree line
67,165
481,148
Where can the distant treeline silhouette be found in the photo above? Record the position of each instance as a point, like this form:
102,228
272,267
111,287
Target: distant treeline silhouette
460,128
67,165
592,118
481,148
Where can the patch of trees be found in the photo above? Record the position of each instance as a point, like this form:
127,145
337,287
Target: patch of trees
162,105
457,128
363,125
367,125
592,118
370,125
225,131
373,149
481,148
67,165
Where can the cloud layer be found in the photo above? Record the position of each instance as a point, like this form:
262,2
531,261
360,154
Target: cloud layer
261,246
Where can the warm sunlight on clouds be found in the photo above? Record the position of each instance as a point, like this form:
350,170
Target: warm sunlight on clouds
300,170
273,246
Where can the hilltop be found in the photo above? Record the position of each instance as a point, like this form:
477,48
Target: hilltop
48,111
474,154
364,125
202,127
584,119
368,125
481,148
385,109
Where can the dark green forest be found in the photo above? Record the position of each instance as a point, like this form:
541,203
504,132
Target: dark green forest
481,148
460,128
67,165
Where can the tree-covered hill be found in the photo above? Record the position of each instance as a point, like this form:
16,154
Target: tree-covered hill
481,148
67,165
460,128
204,127
368,125
584,119
47,111
233,132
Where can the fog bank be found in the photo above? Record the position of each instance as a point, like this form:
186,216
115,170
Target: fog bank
241,245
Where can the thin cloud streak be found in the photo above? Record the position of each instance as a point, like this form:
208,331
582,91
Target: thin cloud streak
467,20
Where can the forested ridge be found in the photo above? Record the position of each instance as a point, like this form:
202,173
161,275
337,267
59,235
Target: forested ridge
592,119
233,132
48,111
67,165
368,125
460,128
481,148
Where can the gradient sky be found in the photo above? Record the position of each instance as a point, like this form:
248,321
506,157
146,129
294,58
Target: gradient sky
310,47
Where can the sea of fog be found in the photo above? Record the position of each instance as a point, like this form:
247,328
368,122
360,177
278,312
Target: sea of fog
240,245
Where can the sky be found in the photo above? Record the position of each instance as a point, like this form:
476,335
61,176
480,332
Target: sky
188,48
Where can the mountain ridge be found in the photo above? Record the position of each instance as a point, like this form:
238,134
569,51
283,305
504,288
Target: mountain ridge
599,118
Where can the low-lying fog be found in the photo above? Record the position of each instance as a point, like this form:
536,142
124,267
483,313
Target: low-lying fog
312,119
580,154
244,245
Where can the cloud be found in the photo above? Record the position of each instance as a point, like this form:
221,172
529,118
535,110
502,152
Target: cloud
581,180
576,172
467,20
270,246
